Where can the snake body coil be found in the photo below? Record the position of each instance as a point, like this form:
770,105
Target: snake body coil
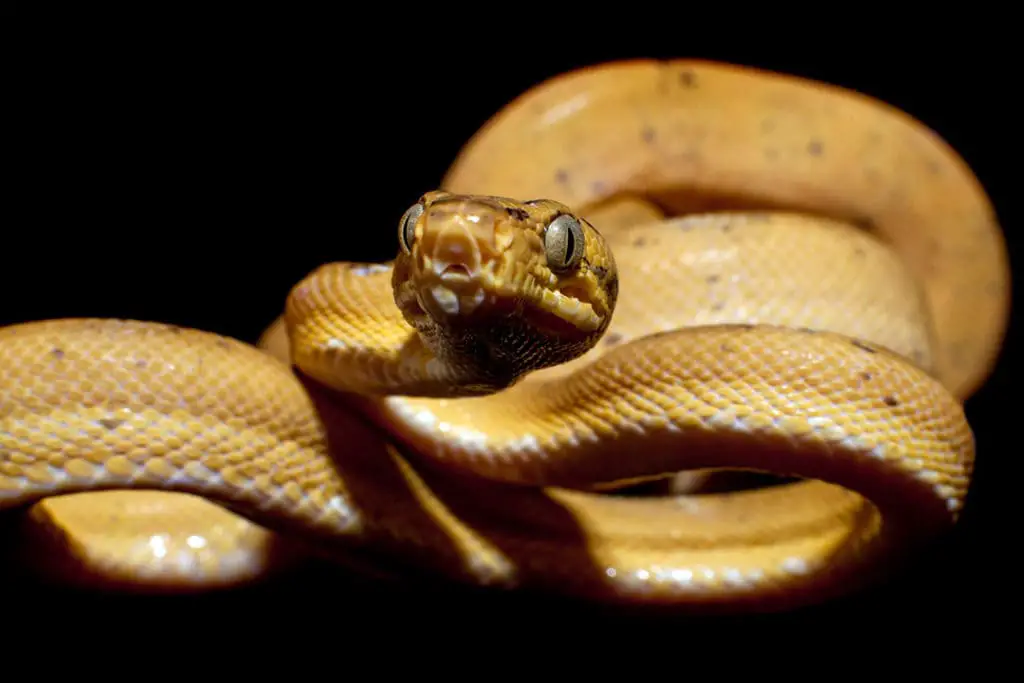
835,284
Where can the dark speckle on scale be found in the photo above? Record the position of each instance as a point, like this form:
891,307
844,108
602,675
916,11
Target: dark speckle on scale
612,338
688,79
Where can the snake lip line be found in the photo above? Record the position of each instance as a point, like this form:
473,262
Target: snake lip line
457,291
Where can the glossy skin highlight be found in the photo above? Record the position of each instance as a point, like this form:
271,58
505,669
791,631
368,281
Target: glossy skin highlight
777,335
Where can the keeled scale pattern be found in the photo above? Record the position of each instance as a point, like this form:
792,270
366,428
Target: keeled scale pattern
785,401
92,404
347,332
722,396
105,403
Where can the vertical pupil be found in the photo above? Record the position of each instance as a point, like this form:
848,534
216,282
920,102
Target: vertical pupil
570,244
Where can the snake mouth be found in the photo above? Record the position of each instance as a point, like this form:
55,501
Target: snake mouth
461,297
455,274
512,286
458,291
565,313
572,305
574,293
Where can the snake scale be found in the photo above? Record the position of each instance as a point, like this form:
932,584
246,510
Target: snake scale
634,271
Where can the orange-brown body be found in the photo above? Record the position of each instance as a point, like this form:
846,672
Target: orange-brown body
846,289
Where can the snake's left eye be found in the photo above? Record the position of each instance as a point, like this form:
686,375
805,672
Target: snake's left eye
407,227
564,243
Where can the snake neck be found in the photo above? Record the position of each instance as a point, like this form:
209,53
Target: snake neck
346,332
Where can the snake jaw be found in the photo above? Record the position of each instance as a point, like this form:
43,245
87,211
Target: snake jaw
543,296
498,273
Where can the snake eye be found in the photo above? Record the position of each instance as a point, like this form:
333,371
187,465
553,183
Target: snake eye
407,227
563,243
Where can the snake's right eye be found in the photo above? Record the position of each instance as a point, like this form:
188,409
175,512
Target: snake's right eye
407,227
564,243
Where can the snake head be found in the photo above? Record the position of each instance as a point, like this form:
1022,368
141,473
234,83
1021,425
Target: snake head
503,286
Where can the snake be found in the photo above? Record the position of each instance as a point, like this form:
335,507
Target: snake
635,272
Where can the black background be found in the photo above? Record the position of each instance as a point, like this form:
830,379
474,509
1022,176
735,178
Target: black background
178,172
